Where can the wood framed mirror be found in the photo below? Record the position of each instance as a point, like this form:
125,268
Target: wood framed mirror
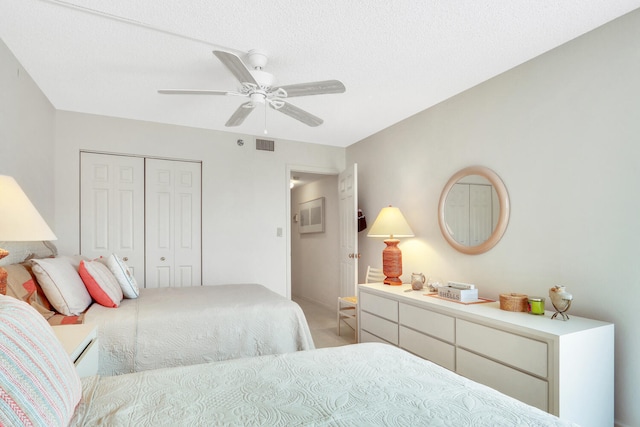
473,211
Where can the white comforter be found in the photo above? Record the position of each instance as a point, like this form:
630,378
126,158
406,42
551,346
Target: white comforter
184,326
356,385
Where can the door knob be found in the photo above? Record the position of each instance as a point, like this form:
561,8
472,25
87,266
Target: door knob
162,259
125,259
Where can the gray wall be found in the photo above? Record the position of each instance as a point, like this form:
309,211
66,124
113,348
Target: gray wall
563,132
244,191
26,134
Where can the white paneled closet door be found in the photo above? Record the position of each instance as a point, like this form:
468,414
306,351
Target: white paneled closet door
173,223
112,208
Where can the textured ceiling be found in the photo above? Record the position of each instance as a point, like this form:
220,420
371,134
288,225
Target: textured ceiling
396,58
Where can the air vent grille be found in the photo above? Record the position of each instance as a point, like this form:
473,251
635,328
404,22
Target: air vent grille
265,145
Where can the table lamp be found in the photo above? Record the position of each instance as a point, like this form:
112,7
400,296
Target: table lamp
390,224
19,221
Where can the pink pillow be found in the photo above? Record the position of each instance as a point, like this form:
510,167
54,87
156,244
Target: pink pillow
101,283
38,383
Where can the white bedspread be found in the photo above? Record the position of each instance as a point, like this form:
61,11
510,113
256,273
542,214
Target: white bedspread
184,326
357,385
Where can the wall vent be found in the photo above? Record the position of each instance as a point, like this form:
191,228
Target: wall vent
265,145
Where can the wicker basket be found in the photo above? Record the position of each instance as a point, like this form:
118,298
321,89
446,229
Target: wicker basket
514,302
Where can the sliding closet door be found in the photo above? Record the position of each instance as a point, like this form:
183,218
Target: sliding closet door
112,208
173,223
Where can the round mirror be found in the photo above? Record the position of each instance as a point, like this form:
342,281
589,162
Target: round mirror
474,210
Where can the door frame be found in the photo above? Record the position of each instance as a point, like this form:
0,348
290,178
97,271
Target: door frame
289,170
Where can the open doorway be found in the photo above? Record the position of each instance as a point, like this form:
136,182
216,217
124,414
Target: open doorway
314,257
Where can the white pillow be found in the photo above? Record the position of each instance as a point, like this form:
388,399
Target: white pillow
39,384
101,284
123,274
62,285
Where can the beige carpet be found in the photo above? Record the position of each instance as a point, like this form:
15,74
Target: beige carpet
323,325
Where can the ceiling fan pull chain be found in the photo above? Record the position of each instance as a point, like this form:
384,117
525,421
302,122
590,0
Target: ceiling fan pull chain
265,117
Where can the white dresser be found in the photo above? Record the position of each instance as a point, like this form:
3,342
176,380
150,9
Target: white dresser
562,367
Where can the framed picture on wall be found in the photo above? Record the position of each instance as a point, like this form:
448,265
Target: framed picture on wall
311,216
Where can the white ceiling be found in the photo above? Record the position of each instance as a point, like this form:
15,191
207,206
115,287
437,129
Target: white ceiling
395,57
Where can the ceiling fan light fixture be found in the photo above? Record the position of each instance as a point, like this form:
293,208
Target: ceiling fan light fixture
258,97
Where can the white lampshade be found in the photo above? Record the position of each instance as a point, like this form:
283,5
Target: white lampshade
390,224
19,219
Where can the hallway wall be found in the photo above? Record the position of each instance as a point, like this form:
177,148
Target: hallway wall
315,272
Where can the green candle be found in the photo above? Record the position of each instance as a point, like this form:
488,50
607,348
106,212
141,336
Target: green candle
536,305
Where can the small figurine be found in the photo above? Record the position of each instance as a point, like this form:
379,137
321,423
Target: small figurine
561,300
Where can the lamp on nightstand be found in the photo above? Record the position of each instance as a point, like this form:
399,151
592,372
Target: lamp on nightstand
390,224
19,220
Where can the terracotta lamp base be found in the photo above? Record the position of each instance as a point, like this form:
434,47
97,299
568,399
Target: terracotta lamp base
392,262
3,274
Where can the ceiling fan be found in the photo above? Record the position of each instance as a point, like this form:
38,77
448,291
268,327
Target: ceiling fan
258,86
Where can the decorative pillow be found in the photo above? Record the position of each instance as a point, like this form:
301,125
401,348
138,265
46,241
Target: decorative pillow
101,284
62,285
123,274
75,260
22,285
60,319
39,385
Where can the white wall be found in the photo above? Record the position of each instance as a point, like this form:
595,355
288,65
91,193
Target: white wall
244,191
26,134
315,264
563,132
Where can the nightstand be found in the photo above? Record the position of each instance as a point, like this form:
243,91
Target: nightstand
81,344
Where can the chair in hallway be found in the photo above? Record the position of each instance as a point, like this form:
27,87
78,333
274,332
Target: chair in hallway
348,306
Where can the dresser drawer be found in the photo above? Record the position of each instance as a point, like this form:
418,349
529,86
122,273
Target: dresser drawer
524,353
379,327
435,324
367,337
511,382
428,348
382,307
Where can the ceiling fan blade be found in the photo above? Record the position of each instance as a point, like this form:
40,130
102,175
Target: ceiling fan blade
240,114
236,66
299,114
192,92
314,88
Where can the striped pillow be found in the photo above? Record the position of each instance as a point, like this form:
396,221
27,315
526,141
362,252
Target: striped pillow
38,383
123,274
101,284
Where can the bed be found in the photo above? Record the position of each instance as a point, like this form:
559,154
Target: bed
361,384
160,327
183,326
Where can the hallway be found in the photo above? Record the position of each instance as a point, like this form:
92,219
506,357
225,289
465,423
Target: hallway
323,325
